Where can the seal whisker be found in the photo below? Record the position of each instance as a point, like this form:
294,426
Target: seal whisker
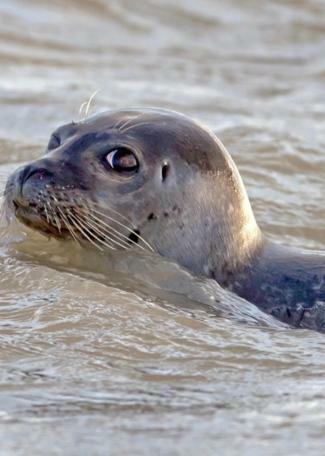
75,230
91,98
54,214
95,223
120,124
93,227
80,112
117,124
65,219
56,220
115,233
126,123
50,211
134,232
87,227
135,126
114,212
68,225
85,106
47,214
81,230
125,227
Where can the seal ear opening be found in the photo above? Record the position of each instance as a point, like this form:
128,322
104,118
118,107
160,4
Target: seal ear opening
164,171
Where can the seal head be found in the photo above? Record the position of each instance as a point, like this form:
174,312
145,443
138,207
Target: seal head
168,176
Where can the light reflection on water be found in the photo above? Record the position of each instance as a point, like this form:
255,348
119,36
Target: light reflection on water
118,359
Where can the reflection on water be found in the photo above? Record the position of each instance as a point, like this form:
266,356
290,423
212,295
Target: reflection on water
116,356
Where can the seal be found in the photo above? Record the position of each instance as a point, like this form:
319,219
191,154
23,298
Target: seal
156,180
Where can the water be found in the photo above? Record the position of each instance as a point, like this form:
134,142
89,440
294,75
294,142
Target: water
114,357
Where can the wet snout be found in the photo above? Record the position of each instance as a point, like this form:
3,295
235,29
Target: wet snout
28,180
41,176
40,191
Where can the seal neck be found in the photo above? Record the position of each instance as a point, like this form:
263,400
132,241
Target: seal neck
284,282
230,236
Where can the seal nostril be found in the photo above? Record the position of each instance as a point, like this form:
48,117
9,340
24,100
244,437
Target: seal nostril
41,173
25,188
32,171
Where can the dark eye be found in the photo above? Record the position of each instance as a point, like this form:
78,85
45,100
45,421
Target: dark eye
54,142
122,159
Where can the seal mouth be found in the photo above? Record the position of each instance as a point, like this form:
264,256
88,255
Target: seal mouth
83,224
36,218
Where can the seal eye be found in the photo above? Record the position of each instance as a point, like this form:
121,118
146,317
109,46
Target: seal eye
122,159
54,142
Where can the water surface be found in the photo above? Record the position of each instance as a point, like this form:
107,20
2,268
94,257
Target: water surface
118,357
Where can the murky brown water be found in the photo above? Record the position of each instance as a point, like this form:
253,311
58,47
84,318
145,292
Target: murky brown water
135,357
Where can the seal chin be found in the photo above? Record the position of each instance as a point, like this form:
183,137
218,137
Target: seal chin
36,219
